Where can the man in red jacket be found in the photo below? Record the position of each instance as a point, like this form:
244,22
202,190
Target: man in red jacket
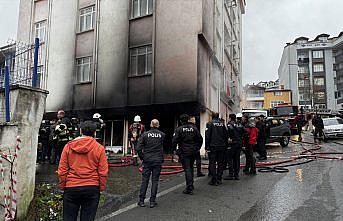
82,173
250,165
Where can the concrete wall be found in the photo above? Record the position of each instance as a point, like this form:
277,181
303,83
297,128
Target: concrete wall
27,108
329,81
178,23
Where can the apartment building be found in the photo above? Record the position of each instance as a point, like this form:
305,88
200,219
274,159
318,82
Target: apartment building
338,68
306,68
253,97
155,58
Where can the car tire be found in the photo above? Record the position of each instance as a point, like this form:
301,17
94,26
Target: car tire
285,140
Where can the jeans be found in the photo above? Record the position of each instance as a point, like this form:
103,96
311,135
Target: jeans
198,162
216,164
148,170
250,159
234,160
86,197
188,166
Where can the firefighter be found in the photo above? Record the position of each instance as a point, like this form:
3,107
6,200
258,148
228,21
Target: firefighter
100,127
135,131
189,140
236,133
43,138
150,151
216,142
61,133
198,156
75,128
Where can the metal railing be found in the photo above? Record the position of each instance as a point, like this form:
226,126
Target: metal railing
20,67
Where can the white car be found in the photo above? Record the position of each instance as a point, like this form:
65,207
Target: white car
333,127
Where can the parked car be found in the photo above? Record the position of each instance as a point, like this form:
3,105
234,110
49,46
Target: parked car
333,127
278,130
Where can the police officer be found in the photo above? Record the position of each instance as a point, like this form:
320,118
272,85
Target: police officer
150,151
236,133
189,140
197,156
262,138
216,142
100,126
135,131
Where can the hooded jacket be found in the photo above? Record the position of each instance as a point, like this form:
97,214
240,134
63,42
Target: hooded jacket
83,163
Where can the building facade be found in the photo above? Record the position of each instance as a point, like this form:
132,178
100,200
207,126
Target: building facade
338,68
306,68
155,58
253,97
274,97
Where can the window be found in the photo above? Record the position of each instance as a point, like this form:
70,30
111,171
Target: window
275,103
277,93
317,54
141,8
319,81
83,69
304,97
301,83
87,18
318,68
40,30
319,95
303,69
141,61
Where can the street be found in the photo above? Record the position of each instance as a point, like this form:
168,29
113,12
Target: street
311,191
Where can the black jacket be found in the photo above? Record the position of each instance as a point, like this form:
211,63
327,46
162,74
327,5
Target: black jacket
150,146
261,126
188,138
237,132
216,135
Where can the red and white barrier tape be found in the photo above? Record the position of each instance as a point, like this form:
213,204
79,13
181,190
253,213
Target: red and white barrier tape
10,194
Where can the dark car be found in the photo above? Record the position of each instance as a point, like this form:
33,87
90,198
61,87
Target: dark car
278,130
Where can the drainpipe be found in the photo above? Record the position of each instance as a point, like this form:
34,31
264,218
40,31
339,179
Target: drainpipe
96,51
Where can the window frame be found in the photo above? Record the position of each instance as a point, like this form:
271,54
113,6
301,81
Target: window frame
136,54
77,66
149,8
83,18
317,70
41,39
317,78
318,54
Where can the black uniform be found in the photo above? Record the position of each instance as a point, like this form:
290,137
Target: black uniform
100,127
236,133
43,138
319,126
216,142
261,139
189,140
150,151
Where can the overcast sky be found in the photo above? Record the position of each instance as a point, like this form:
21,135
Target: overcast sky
269,24
8,20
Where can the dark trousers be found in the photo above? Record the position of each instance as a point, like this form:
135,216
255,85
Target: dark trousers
188,166
216,164
59,148
153,170
261,147
234,160
318,131
86,198
250,164
198,162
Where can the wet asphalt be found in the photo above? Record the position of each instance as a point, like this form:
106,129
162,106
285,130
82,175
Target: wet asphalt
312,191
